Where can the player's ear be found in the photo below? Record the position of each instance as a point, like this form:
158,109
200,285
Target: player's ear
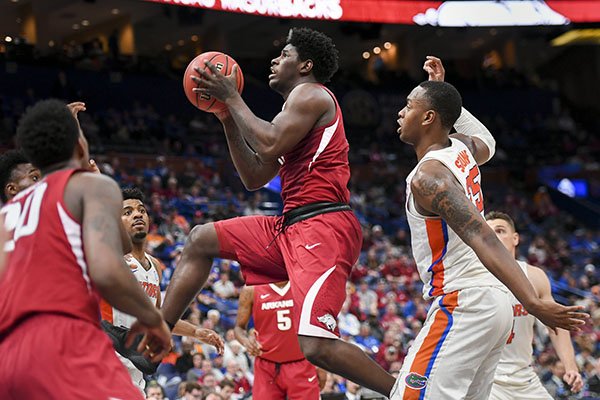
11,189
306,66
516,239
429,117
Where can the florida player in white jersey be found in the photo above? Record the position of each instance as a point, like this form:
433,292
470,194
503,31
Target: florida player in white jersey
456,352
146,270
515,378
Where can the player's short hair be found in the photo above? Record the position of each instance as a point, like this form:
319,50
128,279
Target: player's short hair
8,163
444,99
318,47
48,133
503,216
132,193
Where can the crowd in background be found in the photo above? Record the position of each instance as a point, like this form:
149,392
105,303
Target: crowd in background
384,309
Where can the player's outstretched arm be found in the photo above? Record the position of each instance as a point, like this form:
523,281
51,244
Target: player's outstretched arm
101,204
208,336
241,323
561,340
437,191
470,130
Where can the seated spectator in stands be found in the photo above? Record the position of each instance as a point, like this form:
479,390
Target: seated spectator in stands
208,382
555,385
196,371
367,300
239,379
390,317
366,340
227,389
353,391
224,288
191,391
208,367
347,321
213,396
154,391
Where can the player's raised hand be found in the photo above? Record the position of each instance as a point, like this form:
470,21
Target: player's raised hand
214,83
252,345
156,342
93,167
555,315
573,379
434,68
211,337
76,107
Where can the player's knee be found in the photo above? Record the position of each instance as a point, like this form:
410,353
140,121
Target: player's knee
203,239
314,349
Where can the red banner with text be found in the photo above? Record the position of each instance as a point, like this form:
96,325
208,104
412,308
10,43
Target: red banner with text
433,13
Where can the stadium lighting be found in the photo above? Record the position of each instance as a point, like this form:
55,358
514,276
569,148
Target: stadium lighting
387,45
85,22
366,55
8,39
376,50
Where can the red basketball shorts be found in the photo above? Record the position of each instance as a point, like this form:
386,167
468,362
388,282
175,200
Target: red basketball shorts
50,356
294,380
316,255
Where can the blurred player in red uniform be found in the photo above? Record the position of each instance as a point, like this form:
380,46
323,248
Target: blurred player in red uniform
280,369
63,251
317,240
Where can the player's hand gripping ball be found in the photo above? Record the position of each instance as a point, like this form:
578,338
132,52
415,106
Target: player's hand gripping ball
224,64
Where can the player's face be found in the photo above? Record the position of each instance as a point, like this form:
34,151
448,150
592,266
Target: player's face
284,69
409,117
508,237
23,176
135,219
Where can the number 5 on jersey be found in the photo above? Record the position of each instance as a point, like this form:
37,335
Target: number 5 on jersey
284,322
21,221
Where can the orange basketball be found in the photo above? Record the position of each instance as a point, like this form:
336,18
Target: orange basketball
224,64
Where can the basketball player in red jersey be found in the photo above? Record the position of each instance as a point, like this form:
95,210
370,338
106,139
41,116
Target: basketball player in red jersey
318,238
64,250
280,369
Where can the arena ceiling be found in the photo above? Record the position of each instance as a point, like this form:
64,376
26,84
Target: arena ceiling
158,27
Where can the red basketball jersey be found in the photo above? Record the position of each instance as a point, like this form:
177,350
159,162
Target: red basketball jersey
272,313
317,169
46,269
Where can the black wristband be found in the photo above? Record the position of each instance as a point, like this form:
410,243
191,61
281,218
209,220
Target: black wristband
170,325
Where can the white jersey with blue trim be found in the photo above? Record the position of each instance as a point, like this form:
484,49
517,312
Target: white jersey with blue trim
446,263
515,361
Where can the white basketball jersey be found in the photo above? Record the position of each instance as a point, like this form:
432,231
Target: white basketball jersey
444,261
150,283
516,355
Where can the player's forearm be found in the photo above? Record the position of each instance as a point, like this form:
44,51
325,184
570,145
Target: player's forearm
184,328
241,335
254,173
259,134
503,266
564,348
468,125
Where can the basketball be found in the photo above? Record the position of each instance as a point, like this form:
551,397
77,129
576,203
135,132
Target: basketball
224,64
